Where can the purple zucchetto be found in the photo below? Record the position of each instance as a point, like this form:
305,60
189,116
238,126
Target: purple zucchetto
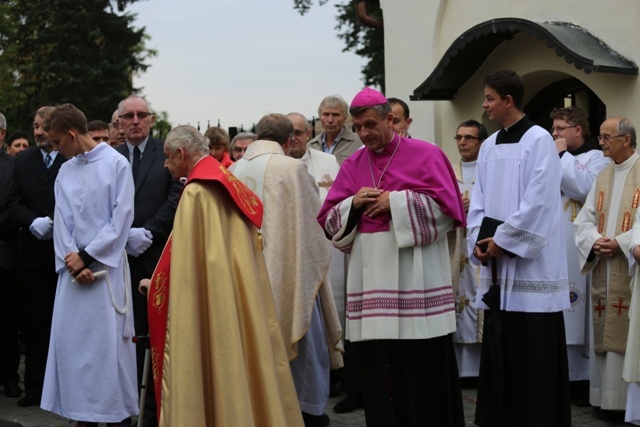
368,97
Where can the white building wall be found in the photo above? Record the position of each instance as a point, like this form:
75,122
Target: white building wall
419,32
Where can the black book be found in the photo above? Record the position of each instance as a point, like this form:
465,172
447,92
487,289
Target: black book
487,229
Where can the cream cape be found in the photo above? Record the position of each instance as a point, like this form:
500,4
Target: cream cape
295,250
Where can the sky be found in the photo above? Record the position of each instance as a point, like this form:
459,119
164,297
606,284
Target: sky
237,60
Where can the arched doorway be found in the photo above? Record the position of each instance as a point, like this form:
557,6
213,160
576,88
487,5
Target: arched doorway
565,93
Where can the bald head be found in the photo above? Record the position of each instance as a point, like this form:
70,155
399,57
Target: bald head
301,135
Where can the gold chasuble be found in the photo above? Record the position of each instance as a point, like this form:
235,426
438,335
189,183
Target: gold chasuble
611,302
217,350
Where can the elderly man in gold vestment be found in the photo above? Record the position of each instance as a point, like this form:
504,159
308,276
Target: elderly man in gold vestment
219,358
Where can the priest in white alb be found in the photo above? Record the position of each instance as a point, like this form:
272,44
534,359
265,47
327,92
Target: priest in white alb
581,160
467,338
604,240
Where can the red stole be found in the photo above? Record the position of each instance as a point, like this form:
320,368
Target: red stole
207,169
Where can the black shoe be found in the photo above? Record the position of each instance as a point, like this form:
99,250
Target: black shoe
124,423
12,389
30,399
315,420
351,402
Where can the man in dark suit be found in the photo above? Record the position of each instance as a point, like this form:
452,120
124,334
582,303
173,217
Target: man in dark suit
31,200
156,199
9,349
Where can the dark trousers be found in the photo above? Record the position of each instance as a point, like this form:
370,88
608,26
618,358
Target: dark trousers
410,383
524,374
9,347
37,292
351,371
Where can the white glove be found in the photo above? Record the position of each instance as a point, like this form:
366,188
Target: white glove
42,228
139,241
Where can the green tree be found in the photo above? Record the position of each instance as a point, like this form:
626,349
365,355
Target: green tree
362,40
162,125
56,51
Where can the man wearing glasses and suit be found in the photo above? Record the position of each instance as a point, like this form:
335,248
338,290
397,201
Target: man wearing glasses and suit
31,205
156,199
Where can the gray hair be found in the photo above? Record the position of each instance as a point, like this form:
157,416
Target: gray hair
626,128
189,139
307,125
243,135
334,101
3,121
43,111
121,103
275,127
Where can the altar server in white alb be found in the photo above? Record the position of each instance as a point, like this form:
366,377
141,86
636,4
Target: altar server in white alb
581,160
604,240
91,368
467,338
517,182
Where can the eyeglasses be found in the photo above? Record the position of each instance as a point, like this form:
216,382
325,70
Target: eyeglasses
298,132
239,150
606,137
465,137
141,115
561,128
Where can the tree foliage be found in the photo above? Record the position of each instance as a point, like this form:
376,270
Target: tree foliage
57,51
364,41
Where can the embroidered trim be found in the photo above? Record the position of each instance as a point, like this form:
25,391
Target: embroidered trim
423,221
522,236
388,303
334,223
529,286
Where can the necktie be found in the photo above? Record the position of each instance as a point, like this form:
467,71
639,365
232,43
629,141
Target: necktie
135,165
47,161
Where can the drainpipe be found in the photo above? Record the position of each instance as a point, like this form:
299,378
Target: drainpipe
365,18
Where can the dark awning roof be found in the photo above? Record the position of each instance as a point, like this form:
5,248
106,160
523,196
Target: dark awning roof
472,48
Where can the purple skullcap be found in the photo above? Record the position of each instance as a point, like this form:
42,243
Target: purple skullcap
368,97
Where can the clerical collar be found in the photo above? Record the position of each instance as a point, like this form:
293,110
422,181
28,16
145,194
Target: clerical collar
627,163
513,134
589,145
380,150
507,128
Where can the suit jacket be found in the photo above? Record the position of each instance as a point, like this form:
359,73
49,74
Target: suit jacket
349,143
6,175
156,200
31,196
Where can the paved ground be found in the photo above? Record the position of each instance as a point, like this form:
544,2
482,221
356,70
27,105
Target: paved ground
13,416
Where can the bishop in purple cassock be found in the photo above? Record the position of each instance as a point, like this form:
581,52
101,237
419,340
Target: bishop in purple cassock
390,208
